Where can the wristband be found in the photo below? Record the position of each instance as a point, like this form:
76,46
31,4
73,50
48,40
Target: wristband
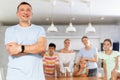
22,48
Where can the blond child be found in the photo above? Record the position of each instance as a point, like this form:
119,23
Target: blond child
81,69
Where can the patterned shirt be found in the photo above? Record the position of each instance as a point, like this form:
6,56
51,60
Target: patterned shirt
50,62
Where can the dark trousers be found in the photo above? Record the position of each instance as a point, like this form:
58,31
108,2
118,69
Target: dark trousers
92,72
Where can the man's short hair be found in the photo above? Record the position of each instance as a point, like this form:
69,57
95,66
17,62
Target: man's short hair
52,45
84,37
23,3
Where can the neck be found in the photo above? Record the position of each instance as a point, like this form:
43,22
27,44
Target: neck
66,49
87,47
50,54
108,51
25,24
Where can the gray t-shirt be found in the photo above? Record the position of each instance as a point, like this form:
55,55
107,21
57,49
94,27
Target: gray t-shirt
89,54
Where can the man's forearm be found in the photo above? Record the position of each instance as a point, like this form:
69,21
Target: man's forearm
15,49
35,49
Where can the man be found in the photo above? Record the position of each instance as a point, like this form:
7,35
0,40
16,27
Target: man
89,54
51,62
25,44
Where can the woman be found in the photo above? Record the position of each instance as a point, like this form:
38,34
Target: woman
110,60
66,57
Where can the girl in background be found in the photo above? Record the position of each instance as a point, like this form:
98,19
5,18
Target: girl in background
110,60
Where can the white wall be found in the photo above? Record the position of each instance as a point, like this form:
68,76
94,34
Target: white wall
102,32
76,43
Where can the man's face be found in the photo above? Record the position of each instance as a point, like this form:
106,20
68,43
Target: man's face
85,41
24,13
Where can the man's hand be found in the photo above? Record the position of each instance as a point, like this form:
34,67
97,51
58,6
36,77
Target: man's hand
13,48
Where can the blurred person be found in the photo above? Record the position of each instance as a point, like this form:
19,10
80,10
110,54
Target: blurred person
51,62
81,70
67,58
110,60
89,54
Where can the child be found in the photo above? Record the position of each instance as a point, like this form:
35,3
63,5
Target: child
110,60
51,62
81,69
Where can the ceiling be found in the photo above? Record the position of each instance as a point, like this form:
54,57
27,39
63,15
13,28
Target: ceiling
62,11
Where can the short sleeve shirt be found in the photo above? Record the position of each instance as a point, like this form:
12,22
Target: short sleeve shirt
27,67
89,54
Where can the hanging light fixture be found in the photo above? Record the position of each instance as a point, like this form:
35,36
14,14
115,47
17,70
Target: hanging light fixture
90,28
52,27
70,28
